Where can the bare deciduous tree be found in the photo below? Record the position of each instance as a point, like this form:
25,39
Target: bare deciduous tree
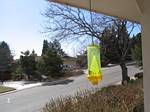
64,22
116,44
67,22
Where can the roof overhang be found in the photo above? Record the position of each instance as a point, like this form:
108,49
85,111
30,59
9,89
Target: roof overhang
126,9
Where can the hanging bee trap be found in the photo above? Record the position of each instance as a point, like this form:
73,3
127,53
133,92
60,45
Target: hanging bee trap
94,63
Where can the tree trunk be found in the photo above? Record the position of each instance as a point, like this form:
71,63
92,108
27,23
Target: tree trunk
125,77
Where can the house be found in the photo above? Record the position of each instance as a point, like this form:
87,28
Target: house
134,10
70,62
82,61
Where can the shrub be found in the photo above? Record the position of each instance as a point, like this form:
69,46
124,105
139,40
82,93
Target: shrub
122,98
18,74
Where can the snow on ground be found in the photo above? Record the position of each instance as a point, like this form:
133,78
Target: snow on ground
19,85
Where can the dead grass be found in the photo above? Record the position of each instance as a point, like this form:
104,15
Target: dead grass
110,99
5,89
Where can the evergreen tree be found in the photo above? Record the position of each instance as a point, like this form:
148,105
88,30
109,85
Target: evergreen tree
52,59
41,67
45,46
137,50
115,45
57,47
28,63
6,61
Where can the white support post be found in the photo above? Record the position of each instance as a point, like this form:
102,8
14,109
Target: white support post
146,52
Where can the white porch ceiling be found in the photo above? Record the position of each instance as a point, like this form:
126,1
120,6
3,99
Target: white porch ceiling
127,9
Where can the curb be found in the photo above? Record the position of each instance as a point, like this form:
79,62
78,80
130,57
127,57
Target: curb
14,91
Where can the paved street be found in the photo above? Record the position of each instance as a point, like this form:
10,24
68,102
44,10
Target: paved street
32,100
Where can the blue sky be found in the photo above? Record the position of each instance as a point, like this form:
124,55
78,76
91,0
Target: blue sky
20,25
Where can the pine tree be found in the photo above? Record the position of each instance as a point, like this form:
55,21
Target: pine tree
45,46
115,45
57,47
137,50
6,61
53,63
53,59
28,63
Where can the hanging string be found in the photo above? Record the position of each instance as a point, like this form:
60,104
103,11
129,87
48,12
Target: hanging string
91,18
67,4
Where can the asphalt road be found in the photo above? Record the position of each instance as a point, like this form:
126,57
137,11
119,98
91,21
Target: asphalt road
32,100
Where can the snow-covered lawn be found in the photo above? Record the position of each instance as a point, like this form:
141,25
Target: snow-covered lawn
19,85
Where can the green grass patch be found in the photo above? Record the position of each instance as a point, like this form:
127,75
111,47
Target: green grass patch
5,89
121,98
